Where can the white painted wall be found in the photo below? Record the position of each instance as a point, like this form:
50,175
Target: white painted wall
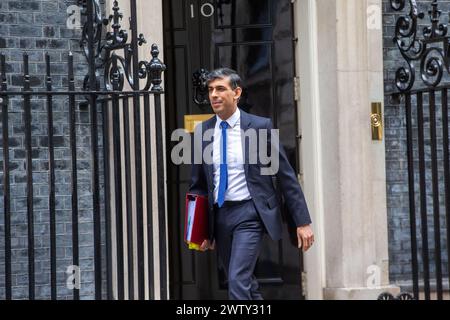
340,64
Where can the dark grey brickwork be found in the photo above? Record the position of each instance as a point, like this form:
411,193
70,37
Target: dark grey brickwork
396,158
37,27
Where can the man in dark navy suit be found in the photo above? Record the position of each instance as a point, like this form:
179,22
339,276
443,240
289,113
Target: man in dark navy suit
233,173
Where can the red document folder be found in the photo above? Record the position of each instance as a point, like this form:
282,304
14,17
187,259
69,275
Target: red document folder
196,220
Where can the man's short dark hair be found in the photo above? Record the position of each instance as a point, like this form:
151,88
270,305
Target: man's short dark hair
235,79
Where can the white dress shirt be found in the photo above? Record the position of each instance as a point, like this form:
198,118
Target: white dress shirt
237,185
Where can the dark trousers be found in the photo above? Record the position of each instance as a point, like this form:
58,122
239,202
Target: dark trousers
238,233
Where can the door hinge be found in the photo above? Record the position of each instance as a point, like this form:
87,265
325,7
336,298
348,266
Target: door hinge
300,178
304,286
297,88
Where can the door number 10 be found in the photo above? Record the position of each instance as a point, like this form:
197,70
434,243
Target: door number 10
206,9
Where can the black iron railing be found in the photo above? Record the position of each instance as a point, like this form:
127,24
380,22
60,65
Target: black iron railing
105,102
105,96
426,113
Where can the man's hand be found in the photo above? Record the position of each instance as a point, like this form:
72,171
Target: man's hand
305,237
207,245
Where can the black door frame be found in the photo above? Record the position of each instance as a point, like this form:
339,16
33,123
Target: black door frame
175,268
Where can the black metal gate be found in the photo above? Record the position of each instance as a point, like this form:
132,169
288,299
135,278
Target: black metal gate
118,169
427,136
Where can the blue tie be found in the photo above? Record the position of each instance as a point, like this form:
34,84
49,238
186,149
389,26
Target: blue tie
223,182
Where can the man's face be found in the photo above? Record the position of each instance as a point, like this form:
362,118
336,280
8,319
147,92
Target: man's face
222,97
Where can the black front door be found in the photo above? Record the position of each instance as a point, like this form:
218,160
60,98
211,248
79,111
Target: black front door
255,38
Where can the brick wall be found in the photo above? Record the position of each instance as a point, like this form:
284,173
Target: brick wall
37,27
396,157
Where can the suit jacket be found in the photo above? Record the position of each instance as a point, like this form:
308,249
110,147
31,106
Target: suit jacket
261,187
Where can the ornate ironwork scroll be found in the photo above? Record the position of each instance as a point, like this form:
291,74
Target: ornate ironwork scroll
431,48
117,68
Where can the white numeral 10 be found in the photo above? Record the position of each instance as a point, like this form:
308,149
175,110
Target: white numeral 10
207,10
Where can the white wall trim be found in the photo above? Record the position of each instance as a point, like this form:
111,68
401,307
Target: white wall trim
153,32
311,153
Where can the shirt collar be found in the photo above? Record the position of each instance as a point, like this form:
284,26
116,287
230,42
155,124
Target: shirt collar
231,120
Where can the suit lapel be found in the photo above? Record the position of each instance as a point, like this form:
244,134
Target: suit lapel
245,124
209,125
